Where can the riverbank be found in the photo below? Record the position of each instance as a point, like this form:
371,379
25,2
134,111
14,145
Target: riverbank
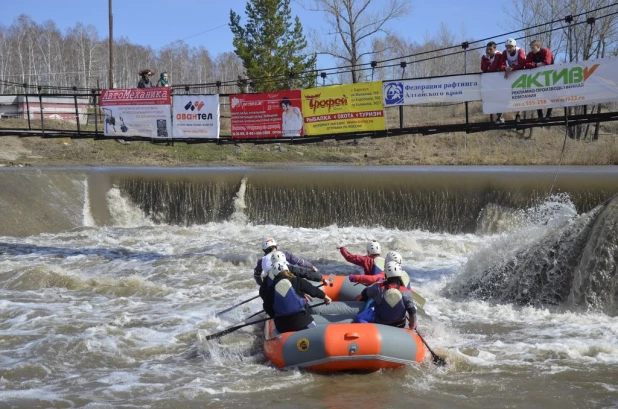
489,148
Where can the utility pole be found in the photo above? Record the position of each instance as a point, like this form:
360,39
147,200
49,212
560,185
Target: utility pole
111,47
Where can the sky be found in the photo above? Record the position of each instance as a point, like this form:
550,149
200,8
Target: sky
158,23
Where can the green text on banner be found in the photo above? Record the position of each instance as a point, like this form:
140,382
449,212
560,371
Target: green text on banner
559,85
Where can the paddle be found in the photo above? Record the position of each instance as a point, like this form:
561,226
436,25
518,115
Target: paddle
233,328
420,301
437,360
251,299
244,324
253,315
237,305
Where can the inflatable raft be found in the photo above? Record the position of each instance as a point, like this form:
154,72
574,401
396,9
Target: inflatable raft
340,288
338,345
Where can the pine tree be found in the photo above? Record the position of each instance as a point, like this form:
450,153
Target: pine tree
271,47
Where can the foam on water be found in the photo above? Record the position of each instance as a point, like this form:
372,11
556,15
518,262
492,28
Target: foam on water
88,220
120,305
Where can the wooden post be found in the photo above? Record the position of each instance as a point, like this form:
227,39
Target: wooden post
111,47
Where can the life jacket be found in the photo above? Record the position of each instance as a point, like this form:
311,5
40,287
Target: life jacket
267,263
390,309
378,265
270,278
512,59
287,302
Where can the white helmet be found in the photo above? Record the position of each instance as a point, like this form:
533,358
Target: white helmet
393,269
278,256
279,267
268,243
511,41
393,256
373,247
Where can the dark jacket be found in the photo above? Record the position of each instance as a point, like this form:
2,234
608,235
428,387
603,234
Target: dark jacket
144,83
296,321
292,261
376,292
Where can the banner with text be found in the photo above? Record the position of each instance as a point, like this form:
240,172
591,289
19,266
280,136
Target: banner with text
137,112
196,116
266,115
457,88
559,85
343,108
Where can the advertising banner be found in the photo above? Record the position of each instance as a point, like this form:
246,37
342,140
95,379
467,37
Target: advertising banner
266,115
196,116
137,112
343,108
559,85
456,88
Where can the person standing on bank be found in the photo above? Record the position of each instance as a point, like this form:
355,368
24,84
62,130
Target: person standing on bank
144,81
285,300
264,264
372,263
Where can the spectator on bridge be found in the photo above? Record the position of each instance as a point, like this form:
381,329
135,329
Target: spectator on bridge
513,58
163,80
539,56
490,62
144,81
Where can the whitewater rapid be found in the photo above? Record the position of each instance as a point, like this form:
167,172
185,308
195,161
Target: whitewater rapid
101,316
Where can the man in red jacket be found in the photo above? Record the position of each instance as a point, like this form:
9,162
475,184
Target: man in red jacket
490,62
539,56
372,263
513,58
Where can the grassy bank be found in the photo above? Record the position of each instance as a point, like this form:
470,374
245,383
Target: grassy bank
488,148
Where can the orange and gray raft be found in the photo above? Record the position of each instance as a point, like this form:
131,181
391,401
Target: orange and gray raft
338,345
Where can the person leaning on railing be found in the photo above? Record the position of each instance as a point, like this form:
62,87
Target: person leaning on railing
490,62
144,81
513,58
539,56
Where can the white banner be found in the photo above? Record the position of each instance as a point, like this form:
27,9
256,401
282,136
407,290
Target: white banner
559,85
457,88
196,116
137,112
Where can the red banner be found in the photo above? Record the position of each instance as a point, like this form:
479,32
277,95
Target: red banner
267,115
136,96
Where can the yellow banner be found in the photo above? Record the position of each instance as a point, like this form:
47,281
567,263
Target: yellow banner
343,108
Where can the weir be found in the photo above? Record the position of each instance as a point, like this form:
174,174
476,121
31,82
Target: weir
438,199
445,200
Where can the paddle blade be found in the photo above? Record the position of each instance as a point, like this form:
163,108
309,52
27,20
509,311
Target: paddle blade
435,358
438,360
418,299
233,328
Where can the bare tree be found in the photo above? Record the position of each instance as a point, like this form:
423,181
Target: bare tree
592,33
352,23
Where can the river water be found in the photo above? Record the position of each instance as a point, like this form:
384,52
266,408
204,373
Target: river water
108,275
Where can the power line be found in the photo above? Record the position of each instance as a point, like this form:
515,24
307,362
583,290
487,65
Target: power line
194,35
365,66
